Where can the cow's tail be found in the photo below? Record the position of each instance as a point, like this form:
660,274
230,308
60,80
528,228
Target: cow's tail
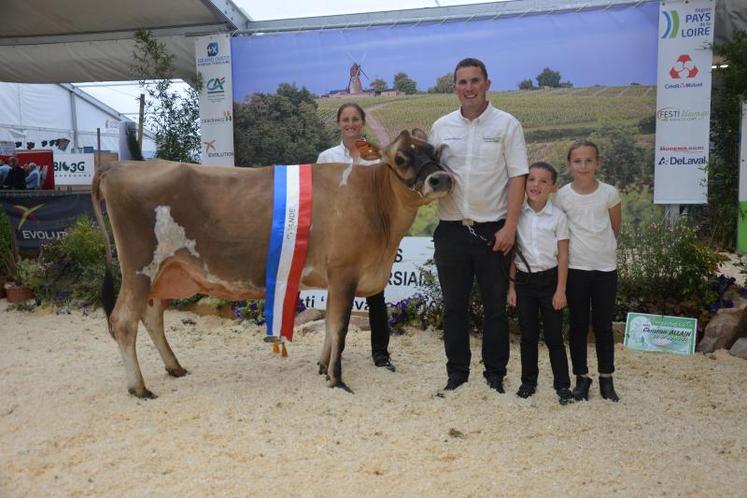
108,296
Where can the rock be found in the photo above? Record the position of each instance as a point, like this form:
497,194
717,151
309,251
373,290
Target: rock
317,326
724,329
739,348
309,315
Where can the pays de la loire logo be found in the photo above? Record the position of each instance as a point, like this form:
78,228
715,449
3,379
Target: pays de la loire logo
683,68
212,49
672,18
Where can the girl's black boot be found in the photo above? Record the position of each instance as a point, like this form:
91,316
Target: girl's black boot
581,391
607,389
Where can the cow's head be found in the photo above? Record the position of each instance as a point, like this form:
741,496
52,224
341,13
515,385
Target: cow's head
414,161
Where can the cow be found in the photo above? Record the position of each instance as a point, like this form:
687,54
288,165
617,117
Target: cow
183,229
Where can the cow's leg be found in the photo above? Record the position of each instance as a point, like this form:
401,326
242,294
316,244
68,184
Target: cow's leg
153,321
339,305
125,319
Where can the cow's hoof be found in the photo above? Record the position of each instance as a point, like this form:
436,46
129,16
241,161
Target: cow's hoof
144,394
177,372
340,385
322,368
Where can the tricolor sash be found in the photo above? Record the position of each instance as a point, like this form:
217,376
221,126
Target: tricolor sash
289,239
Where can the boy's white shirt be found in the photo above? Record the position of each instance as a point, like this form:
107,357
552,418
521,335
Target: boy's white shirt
537,235
592,243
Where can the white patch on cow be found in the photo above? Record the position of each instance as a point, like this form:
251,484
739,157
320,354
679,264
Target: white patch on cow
345,175
171,237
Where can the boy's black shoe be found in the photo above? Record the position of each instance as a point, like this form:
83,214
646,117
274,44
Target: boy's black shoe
386,363
581,391
565,396
453,383
495,383
526,390
607,389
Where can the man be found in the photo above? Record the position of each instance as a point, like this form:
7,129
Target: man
485,149
33,176
4,170
16,179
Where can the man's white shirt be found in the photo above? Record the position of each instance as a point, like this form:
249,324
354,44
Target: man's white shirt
537,237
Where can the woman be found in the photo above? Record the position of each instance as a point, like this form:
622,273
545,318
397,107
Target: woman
350,121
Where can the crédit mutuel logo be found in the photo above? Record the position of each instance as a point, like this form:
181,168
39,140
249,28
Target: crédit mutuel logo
696,24
682,70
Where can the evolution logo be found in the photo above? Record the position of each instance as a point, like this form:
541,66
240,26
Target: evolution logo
210,146
683,68
696,24
27,213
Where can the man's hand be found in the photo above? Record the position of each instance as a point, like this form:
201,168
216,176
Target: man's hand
504,239
559,300
511,296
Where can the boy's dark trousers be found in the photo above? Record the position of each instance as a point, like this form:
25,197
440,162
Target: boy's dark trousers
534,292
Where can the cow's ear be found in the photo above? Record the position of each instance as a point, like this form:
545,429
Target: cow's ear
419,134
439,152
368,151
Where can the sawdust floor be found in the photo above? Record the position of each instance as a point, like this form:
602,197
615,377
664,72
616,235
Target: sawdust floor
246,423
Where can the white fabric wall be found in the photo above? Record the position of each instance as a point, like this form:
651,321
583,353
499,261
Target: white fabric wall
37,112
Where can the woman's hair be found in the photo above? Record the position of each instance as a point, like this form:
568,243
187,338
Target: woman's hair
583,143
354,105
547,167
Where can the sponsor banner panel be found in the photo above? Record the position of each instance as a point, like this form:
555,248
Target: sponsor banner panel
39,216
73,169
404,280
213,60
683,101
660,333
742,224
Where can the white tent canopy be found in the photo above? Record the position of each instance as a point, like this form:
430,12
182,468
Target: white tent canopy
49,112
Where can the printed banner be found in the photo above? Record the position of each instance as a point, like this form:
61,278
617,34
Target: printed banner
39,216
742,223
213,59
669,334
404,281
73,169
683,101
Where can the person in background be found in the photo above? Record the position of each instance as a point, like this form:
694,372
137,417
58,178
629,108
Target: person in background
594,211
350,121
4,170
33,176
16,179
486,153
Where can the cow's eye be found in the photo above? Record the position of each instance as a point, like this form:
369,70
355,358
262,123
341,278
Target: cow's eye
399,160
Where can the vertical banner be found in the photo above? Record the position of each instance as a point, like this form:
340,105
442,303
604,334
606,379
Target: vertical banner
742,223
683,101
74,169
213,59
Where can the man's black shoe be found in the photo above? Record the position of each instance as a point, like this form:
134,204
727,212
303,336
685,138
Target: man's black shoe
526,390
565,396
496,383
386,363
453,383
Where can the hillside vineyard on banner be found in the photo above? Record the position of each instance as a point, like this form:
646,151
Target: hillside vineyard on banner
289,240
683,101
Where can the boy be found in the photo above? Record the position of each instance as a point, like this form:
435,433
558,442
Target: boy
539,275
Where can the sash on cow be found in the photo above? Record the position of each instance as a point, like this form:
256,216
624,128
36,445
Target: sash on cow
289,239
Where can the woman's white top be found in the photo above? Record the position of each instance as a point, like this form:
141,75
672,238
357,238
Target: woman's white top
340,154
592,243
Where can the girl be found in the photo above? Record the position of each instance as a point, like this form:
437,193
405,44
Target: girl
594,217
350,121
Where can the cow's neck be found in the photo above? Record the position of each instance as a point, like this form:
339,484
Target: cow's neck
398,204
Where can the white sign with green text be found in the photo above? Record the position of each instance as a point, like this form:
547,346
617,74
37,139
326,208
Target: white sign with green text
669,334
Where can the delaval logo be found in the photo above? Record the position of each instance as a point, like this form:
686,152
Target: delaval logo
674,114
682,161
212,49
697,24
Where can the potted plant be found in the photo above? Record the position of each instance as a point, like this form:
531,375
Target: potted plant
20,275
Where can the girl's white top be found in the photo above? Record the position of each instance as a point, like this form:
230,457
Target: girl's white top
592,243
340,154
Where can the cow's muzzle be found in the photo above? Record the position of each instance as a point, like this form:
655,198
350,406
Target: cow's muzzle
437,184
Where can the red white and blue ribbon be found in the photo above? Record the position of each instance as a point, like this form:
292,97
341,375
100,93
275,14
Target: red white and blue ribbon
289,239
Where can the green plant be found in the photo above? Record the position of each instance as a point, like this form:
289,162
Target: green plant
72,267
172,115
5,241
660,266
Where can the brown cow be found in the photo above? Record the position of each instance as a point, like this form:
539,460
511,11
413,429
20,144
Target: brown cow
182,229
